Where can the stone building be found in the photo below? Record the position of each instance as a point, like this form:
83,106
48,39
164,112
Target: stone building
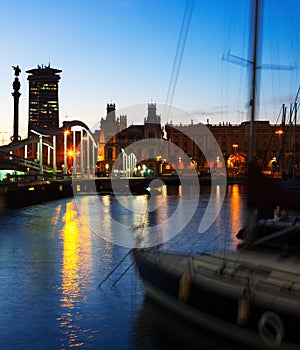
115,136
276,145
273,142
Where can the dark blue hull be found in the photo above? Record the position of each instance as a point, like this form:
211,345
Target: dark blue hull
215,305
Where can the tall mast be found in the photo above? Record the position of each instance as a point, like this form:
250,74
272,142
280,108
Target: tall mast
256,36
254,79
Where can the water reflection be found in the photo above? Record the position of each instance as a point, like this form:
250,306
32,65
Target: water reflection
52,262
131,220
237,210
76,267
158,328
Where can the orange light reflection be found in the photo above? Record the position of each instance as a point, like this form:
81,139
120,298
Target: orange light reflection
75,270
235,212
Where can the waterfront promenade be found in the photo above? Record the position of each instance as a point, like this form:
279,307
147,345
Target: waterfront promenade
20,191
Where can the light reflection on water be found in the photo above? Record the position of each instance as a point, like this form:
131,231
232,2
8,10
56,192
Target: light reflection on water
51,263
76,268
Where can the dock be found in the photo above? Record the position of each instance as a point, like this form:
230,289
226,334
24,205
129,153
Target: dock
25,191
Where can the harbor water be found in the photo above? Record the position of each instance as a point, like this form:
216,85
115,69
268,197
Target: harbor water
52,261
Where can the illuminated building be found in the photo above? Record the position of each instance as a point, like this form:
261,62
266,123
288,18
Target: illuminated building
43,97
115,135
109,127
271,141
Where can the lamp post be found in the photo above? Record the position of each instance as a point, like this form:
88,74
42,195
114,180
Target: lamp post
93,155
124,158
66,132
235,146
54,153
81,152
88,155
74,158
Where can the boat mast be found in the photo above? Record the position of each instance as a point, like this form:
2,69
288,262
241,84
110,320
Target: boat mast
254,78
256,36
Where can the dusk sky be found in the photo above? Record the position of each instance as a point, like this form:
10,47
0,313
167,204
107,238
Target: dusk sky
122,51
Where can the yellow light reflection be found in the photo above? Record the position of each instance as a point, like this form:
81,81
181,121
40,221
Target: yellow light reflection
235,211
75,271
70,260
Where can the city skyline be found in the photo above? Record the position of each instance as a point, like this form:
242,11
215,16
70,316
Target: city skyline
123,52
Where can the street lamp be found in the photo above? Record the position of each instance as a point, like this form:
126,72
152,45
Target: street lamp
66,132
235,146
54,153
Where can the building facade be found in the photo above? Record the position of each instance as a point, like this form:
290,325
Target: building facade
109,127
43,97
115,136
276,145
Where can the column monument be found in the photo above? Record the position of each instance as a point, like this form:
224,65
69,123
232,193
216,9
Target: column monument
16,94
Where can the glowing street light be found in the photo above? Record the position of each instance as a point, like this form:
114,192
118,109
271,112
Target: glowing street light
66,132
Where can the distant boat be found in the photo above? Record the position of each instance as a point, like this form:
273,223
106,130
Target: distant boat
251,295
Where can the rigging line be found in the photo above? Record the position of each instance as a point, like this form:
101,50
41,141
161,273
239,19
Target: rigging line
296,100
179,53
114,269
123,273
227,42
242,76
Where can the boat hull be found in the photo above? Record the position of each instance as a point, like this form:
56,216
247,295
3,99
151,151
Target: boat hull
215,303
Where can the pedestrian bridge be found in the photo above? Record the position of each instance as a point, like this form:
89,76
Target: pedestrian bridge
13,162
52,147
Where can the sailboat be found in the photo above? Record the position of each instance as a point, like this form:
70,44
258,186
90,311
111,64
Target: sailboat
251,295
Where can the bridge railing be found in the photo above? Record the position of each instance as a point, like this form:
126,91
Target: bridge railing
32,178
19,161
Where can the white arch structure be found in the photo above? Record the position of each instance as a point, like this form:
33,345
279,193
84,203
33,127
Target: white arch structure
85,155
82,156
129,163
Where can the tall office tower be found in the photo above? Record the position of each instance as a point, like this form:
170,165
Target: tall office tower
43,97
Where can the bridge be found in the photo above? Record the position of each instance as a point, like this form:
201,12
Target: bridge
10,161
69,149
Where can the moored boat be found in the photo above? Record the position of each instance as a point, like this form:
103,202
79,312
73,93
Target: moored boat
251,295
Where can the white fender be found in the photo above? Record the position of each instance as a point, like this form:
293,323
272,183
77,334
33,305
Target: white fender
270,320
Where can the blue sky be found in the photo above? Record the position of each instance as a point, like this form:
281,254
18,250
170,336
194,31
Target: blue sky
122,51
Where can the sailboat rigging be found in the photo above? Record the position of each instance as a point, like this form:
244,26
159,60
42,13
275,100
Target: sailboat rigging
252,295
